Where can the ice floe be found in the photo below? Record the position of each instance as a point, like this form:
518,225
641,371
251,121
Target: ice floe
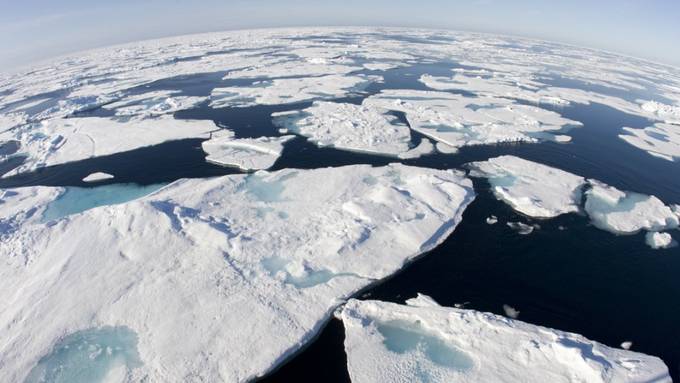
521,228
290,90
458,120
667,113
350,127
425,342
240,270
153,104
65,140
626,212
245,153
660,140
657,240
492,220
531,188
98,176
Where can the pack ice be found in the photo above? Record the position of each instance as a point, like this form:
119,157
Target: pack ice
424,342
60,141
541,191
244,153
216,279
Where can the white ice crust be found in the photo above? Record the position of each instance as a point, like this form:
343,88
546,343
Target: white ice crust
244,153
350,127
531,188
660,140
457,120
60,141
98,176
425,342
221,279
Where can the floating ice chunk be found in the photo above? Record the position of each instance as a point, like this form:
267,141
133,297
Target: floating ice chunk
667,113
521,228
190,265
657,240
660,140
348,126
445,149
626,212
98,176
626,345
424,148
244,153
290,90
154,104
89,356
74,200
492,220
294,68
458,121
387,342
530,188
66,140
510,312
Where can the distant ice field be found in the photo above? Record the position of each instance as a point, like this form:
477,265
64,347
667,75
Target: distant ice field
274,174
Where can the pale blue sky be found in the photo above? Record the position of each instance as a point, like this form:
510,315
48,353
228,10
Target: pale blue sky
32,30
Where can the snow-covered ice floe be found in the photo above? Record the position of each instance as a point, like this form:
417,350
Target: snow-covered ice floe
240,271
290,90
65,140
352,127
457,120
153,104
657,240
98,176
244,153
660,140
424,342
531,188
541,191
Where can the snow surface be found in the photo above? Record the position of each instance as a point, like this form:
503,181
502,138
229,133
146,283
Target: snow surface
240,270
289,90
352,127
660,140
457,120
657,240
66,140
622,212
98,176
531,188
425,342
245,153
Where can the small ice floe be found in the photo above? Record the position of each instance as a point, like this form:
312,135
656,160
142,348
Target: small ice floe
98,176
657,240
522,228
425,342
244,153
510,311
492,220
626,345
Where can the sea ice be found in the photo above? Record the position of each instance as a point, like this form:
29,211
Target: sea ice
667,113
530,188
626,212
65,140
510,312
245,153
98,176
457,120
424,342
350,127
657,240
290,90
154,104
492,220
521,228
192,265
660,140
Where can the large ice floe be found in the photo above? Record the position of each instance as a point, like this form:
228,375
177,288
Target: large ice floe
533,189
60,141
244,153
153,104
353,127
424,342
660,140
458,120
216,280
541,191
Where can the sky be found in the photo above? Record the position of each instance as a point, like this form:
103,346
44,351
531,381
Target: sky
35,30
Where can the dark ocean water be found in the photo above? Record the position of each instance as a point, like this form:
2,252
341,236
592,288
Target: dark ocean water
567,275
